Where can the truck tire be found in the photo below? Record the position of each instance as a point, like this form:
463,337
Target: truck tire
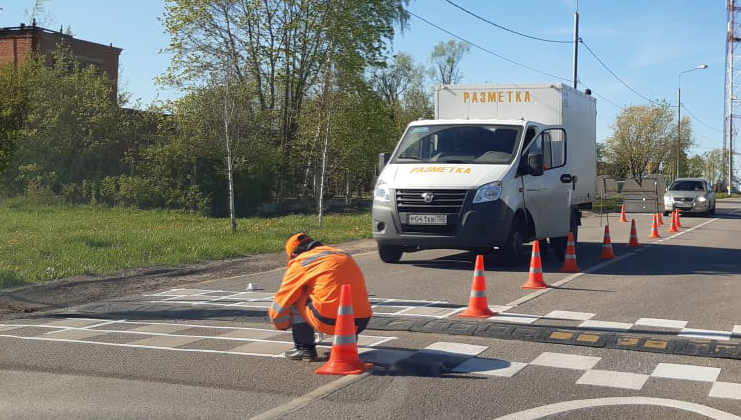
513,252
389,253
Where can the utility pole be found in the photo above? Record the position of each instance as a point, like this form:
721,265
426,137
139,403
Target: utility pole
733,87
576,42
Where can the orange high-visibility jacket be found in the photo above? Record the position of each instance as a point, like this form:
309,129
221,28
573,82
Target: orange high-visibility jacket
313,282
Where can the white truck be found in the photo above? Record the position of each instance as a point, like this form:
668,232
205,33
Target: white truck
499,166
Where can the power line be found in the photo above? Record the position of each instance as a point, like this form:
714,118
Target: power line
700,121
615,75
507,29
487,50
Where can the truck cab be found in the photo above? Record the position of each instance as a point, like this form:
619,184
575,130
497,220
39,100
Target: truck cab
482,183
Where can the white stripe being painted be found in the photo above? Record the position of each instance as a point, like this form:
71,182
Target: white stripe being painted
152,332
592,269
562,407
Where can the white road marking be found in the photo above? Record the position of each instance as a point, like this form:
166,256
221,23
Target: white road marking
575,316
490,367
707,334
663,323
516,318
562,407
592,269
613,379
443,347
686,372
605,325
566,361
726,390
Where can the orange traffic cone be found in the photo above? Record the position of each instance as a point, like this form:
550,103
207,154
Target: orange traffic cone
673,227
654,229
607,253
659,219
344,359
633,235
535,278
569,261
622,214
679,224
478,306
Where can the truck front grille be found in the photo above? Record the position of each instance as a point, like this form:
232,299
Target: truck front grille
448,202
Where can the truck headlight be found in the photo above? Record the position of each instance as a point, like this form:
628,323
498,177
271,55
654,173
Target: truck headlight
382,192
488,192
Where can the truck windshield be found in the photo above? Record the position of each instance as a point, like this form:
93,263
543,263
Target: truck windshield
458,144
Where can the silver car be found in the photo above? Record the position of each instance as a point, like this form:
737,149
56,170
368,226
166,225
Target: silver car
690,195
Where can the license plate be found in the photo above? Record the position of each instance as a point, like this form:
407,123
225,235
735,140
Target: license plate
428,219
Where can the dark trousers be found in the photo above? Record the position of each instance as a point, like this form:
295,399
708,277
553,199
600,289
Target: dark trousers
303,333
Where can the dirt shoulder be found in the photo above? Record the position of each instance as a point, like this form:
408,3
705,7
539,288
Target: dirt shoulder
79,290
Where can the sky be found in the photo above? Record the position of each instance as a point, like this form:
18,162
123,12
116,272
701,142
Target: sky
644,44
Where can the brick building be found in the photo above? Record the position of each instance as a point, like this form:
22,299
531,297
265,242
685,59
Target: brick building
18,43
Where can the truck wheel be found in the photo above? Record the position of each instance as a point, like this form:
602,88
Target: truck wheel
513,252
389,253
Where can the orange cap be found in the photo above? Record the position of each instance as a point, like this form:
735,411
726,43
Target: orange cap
295,241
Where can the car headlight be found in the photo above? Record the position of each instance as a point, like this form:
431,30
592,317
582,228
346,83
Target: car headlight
702,199
382,192
668,199
488,192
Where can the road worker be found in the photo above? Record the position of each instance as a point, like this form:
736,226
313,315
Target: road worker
309,294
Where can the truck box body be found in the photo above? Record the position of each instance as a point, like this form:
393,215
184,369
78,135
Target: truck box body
499,165
550,104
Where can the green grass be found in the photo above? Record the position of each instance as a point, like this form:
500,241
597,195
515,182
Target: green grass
43,242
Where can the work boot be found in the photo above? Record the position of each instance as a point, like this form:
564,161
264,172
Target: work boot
301,354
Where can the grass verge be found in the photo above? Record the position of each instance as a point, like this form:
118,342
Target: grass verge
43,242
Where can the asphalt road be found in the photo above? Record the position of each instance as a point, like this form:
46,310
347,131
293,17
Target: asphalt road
653,333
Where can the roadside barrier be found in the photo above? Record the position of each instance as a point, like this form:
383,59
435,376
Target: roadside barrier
654,229
478,305
535,278
633,235
344,359
622,214
569,260
607,253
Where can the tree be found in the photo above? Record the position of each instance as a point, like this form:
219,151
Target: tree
644,140
279,45
14,89
401,86
446,58
709,165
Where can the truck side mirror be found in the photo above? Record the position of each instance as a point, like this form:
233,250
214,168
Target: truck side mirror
535,164
383,159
